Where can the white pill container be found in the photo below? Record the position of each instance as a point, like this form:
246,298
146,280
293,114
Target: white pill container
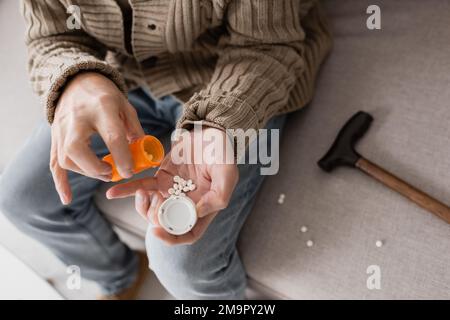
177,215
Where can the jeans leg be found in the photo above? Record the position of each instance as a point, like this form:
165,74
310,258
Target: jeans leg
211,267
78,234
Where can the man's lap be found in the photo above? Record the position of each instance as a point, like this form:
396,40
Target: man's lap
30,172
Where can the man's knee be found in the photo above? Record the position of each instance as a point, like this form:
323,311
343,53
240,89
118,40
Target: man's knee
10,205
23,199
14,203
26,183
179,272
188,272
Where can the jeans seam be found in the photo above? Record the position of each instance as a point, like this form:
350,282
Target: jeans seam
226,255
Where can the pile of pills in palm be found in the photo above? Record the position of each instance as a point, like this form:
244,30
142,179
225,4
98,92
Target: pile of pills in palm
177,214
181,187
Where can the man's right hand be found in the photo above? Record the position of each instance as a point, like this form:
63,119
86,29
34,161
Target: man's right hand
91,103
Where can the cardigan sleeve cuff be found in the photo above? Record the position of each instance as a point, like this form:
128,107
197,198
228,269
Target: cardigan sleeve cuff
225,112
59,80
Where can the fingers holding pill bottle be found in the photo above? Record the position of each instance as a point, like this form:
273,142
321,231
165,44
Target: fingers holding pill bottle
89,104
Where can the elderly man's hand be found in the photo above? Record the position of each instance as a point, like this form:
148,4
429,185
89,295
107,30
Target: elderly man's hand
91,103
215,182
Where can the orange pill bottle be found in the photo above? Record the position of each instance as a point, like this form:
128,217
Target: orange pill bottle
147,152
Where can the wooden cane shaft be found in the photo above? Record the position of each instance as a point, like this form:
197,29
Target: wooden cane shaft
417,196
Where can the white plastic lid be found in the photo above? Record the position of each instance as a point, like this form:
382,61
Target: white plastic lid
177,215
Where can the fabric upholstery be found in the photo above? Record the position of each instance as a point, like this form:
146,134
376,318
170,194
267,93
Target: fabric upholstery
400,74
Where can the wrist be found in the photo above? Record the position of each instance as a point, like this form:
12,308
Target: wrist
86,89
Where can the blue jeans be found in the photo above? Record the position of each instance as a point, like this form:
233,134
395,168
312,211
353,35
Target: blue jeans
79,234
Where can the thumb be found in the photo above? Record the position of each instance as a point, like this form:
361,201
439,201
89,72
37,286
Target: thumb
212,201
224,179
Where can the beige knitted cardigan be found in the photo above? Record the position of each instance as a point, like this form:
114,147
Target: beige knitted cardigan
234,63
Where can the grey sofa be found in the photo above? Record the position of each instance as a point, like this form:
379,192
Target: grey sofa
400,74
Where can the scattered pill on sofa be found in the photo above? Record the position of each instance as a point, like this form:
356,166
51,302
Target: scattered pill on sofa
309,243
379,243
303,229
281,198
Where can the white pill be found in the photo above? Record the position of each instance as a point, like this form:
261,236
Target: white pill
192,187
183,183
189,182
176,186
309,243
171,191
177,192
186,189
281,198
303,229
379,243
182,194
176,178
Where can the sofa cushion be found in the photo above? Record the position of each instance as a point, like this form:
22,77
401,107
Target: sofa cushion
400,74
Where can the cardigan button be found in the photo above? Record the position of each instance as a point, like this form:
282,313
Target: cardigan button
152,26
150,62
